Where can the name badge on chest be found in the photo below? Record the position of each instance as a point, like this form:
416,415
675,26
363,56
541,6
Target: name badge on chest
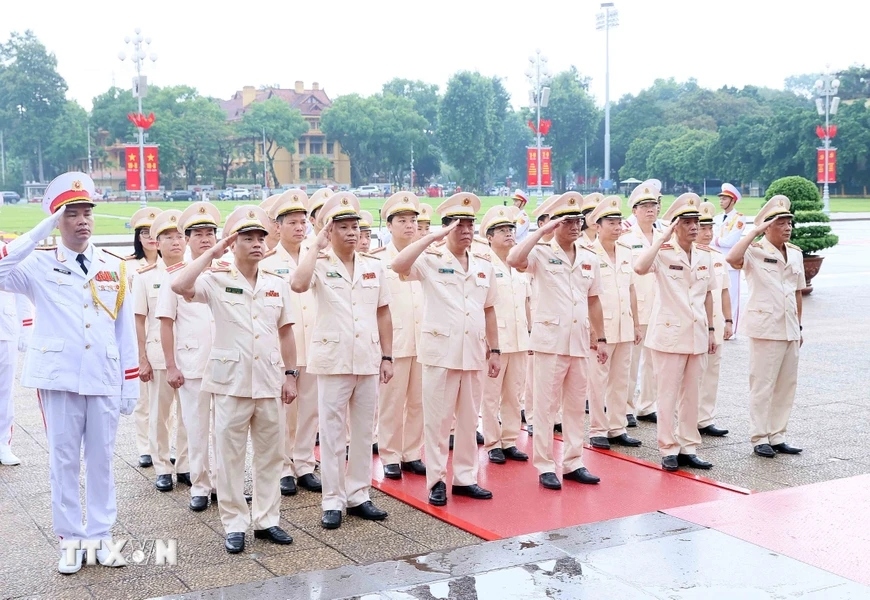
556,261
230,290
333,274
443,270
63,271
675,267
770,260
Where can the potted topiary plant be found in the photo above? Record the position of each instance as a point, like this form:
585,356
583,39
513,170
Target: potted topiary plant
809,234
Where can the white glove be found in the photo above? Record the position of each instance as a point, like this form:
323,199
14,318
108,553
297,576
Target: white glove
128,405
44,229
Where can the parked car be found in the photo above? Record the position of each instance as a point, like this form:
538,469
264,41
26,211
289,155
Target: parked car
241,194
225,194
10,197
180,195
367,191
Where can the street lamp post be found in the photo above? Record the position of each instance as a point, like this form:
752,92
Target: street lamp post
605,20
826,87
140,83
538,75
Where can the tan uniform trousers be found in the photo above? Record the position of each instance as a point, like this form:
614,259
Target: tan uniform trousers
678,394
234,417
299,427
400,413
608,386
140,419
773,369
529,391
709,389
501,402
197,418
646,400
343,399
559,379
449,393
161,424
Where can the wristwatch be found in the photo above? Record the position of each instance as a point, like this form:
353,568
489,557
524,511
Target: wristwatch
711,329
293,372
494,351
387,358
602,340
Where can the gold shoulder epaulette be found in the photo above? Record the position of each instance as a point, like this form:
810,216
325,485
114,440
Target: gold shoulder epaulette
485,257
322,255
667,247
378,250
702,247
714,250
46,248
370,255
588,249
755,245
147,268
432,251
218,270
740,214
268,272
176,267
118,256
270,253
131,257
223,263
790,245
623,244
542,244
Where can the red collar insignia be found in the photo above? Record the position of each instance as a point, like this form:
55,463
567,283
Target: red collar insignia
369,276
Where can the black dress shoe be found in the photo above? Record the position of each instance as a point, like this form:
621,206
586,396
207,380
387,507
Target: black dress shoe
650,418
712,430
198,503
670,463
480,440
692,460
145,461
523,416
450,443
414,466
581,475
557,428
235,542
375,448
765,451
163,483
625,440
599,442
393,471
310,482
438,494
288,486
183,478
276,535
471,491
496,456
331,519
630,421
530,429
513,453
367,511
784,448
550,481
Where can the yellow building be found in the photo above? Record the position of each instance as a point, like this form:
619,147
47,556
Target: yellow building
292,169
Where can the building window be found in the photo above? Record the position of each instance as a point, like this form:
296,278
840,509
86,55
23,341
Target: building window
301,146
316,147
330,148
313,124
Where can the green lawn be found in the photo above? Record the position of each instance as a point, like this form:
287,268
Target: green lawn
112,218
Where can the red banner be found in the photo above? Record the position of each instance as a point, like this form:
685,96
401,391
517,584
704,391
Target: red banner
832,166
532,167
152,172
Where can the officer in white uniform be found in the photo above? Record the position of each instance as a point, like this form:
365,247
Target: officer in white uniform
728,228
16,320
523,222
82,358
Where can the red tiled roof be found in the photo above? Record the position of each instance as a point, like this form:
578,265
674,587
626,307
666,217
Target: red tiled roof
309,102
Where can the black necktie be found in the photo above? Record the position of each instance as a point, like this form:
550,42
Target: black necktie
81,260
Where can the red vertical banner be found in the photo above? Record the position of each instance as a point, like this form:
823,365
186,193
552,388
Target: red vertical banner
831,163
546,168
131,162
532,166
152,172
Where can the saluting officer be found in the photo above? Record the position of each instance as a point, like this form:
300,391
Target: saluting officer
300,417
16,321
520,201
186,332
152,363
459,329
681,331
608,382
775,274
253,341
81,358
728,228
400,405
500,411
721,322
566,282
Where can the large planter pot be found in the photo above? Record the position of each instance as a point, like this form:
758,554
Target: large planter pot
812,264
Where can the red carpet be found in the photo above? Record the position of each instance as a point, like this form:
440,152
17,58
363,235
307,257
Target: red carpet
826,525
520,505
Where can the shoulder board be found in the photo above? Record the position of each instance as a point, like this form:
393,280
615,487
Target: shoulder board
322,255
542,244
667,247
46,248
740,214
378,250
431,251
755,245
118,256
270,253
176,267
369,255
268,272
702,247
485,257
146,269
588,249
218,270
714,251
623,244
131,257
790,245
223,263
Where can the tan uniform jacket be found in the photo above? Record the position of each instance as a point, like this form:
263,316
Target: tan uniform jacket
345,340
245,358
146,290
771,310
560,321
406,305
514,290
616,281
720,269
644,285
453,332
679,318
279,261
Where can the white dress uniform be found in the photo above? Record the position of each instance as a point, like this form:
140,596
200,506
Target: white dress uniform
728,228
16,321
82,359
522,222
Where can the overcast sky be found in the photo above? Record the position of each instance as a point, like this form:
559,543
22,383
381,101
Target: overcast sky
355,46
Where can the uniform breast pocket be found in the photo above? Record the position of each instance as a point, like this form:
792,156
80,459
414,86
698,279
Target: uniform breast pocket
668,330
323,349
232,308
273,305
224,364
676,274
481,280
338,291
44,355
112,366
370,291
434,342
60,290
556,270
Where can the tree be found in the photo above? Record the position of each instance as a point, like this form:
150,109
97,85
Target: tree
423,95
574,117
68,143
806,205
510,160
110,110
349,122
281,124
317,166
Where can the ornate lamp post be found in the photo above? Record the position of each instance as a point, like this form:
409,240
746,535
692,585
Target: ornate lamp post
538,75
140,88
827,102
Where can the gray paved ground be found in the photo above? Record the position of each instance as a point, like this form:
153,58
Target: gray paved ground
831,420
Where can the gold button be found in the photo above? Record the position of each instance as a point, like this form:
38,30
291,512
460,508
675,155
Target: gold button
324,340
354,303
575,320
356,318
466,314
357,335
87,325
86,305
84,287
88,347
546,322
256,358
257,337
255,317
304,308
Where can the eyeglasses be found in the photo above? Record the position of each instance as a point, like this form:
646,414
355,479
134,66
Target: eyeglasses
145,234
